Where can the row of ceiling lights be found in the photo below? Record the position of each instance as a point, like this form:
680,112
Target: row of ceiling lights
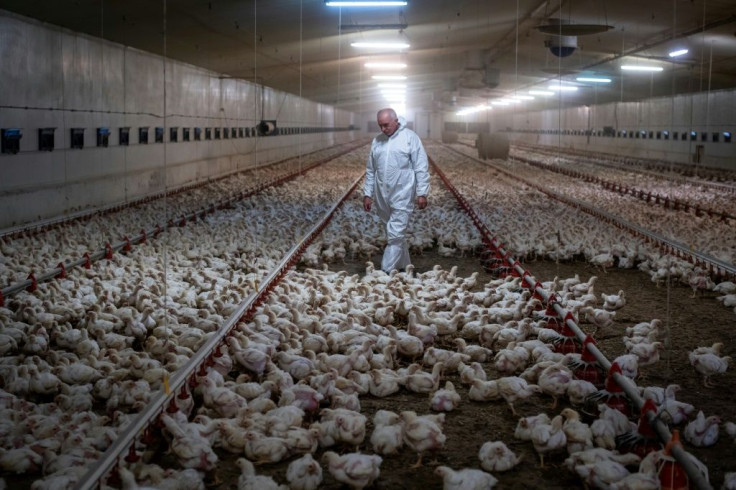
390,86
560,87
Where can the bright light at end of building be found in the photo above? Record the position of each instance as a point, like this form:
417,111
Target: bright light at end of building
677,53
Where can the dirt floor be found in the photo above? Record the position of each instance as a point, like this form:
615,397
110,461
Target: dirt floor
692,323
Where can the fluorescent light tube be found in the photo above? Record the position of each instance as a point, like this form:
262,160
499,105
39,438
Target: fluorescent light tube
366,3
380,45
641,68
679,52
523,97
388,77
563,88
541,92
593,79
386,65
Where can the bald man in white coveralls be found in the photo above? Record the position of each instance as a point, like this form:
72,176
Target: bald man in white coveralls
396,173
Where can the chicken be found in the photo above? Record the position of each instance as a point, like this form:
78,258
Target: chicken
578,390
602,319
525,426
483,391
383,384
423,382
602,474
613,302
513,388
495,456
702,432
658,394
548,438
192,450
222,400
511,360
304,473
647,353
579,435
387,439
553,381
471,372
264,449
708,364
248,480
423,433
445,400
466,479
353,469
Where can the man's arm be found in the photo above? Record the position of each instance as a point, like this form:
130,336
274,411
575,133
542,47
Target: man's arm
421,171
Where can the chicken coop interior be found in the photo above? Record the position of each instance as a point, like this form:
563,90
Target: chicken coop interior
191,284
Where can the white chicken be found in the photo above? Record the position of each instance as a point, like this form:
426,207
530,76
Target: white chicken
465,479
513,388
613,302
354,469
445,400
709,364
496,456
702,432
423,433
304,473
249,480
548,438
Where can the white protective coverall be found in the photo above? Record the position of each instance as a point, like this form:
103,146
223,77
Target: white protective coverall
396,173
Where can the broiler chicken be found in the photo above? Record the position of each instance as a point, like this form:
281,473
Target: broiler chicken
613,302
513,388
353,469
465,479
549,438
702,432
423,433
579,435
192,450
304,473
553,381
709,364
495,456
525,426
249,480
445,400
423,382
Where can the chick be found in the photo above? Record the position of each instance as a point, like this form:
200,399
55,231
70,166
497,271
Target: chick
445,400
354,469
466,479
304,473
495,456
579,435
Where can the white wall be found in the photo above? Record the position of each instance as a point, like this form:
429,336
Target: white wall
700,112
52,77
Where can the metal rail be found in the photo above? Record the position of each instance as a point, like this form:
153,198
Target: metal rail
244,311
626,384
716,268
126,243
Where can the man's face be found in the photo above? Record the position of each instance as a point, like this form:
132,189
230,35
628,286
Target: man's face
388,124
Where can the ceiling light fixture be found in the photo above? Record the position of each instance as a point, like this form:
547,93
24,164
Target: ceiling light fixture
472,110
392,85
500,102
679,52
563,88
541,92
388,77
523,97
593,79
365,3
385,64
641,68
380,45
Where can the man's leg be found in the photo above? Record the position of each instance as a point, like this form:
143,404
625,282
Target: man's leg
396,254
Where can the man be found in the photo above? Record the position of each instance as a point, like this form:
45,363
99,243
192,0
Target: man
397,171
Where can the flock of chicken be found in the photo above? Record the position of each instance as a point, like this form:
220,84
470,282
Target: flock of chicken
82,355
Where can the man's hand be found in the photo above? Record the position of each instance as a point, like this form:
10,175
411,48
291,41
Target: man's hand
422,202
367,201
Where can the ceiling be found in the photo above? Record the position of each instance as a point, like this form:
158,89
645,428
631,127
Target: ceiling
303,47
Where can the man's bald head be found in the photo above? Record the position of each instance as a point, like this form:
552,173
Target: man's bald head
387,112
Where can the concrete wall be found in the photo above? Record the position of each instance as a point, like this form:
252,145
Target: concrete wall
52,77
